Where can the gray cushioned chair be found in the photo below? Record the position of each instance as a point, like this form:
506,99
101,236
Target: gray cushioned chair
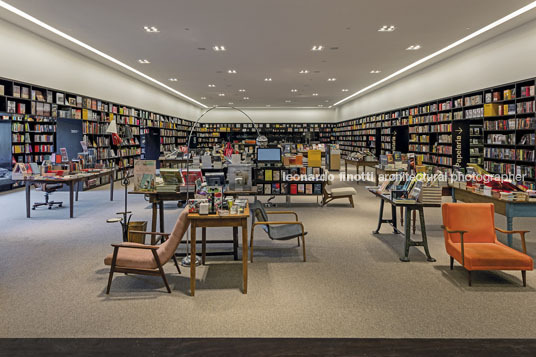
276,230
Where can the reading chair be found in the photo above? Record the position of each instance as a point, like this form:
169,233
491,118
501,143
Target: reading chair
276,230
330,194
470,239
48,189
136,258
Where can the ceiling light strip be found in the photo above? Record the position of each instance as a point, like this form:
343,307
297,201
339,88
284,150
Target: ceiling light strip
484,29
94,50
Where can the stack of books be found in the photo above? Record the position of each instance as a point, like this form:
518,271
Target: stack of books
520,196
431,195
507,196
171,180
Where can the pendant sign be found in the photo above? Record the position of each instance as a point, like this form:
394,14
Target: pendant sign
460,144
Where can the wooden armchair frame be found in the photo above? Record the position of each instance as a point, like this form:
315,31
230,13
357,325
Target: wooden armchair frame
155,272
461,233
268,223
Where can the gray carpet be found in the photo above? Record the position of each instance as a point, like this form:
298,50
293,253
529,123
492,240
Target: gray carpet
52,280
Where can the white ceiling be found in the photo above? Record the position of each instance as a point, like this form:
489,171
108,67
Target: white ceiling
267,38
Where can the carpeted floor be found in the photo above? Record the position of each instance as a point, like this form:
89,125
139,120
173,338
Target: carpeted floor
52,280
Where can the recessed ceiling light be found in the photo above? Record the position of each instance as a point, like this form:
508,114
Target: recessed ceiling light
317,48
151,29
304,71
268,79
315,94
144,61
221,94
211,85
203,98
219,48
332,79
246,98
231,103
293,90
231,71
375,71
344,90
242,90
173,79
413,48
387,28
288,101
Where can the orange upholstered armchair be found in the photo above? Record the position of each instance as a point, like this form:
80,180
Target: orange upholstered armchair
144,259
470,238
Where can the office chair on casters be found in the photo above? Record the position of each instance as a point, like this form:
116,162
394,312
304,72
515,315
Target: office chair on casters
48,189
276,230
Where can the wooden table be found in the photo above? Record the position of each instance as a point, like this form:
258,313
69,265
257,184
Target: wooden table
215,220
419,207
509,209
74,180
181,163
382,170
357,164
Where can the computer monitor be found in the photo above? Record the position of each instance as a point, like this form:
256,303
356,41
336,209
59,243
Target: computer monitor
268,155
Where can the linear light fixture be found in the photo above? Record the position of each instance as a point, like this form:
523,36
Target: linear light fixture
332,79
317,48
219,48
413,48
173,79
304,71
231,71
375,71
144,61
242,90
221,94
293,90
150,29
212,86
267,79
40,23
246,98
315,94
387,28
484,29
344,90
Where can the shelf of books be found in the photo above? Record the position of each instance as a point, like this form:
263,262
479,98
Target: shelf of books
292,181
34,110
493,127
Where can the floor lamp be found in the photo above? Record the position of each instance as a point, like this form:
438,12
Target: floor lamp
260,142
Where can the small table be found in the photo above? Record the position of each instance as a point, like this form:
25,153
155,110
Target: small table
382,170
407,231
215,220
72,181
357,164
509,209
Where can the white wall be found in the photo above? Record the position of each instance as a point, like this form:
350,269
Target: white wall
30,58
270,115
505,58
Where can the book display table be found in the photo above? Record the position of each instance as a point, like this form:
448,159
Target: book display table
385,171
357,164
509,209
409,207
73,181
171,163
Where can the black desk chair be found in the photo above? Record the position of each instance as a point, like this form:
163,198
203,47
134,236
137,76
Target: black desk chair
48,188
277,230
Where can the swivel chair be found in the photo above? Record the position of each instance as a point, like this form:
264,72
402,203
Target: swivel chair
48,189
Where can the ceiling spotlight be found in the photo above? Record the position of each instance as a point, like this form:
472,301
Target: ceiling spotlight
151,29
344,90
317,48
219,48
267,79
242,90
304,71
221,94
173,79
332,79
211,85
288,101
293,90
375,71
203,98
231,71
315,94
413,48
144,61
387,28
246,98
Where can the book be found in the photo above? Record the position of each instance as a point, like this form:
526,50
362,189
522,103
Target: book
317,189
276,175
301,188
267,189
284,188
267,175
293,189
260,175
260,189
276,188
309,189
25,93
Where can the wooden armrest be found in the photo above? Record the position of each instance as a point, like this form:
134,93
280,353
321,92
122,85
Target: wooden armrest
521,233
151,233
283,212
141,246
461,240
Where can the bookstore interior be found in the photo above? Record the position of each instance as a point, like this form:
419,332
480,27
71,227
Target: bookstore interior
121,133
